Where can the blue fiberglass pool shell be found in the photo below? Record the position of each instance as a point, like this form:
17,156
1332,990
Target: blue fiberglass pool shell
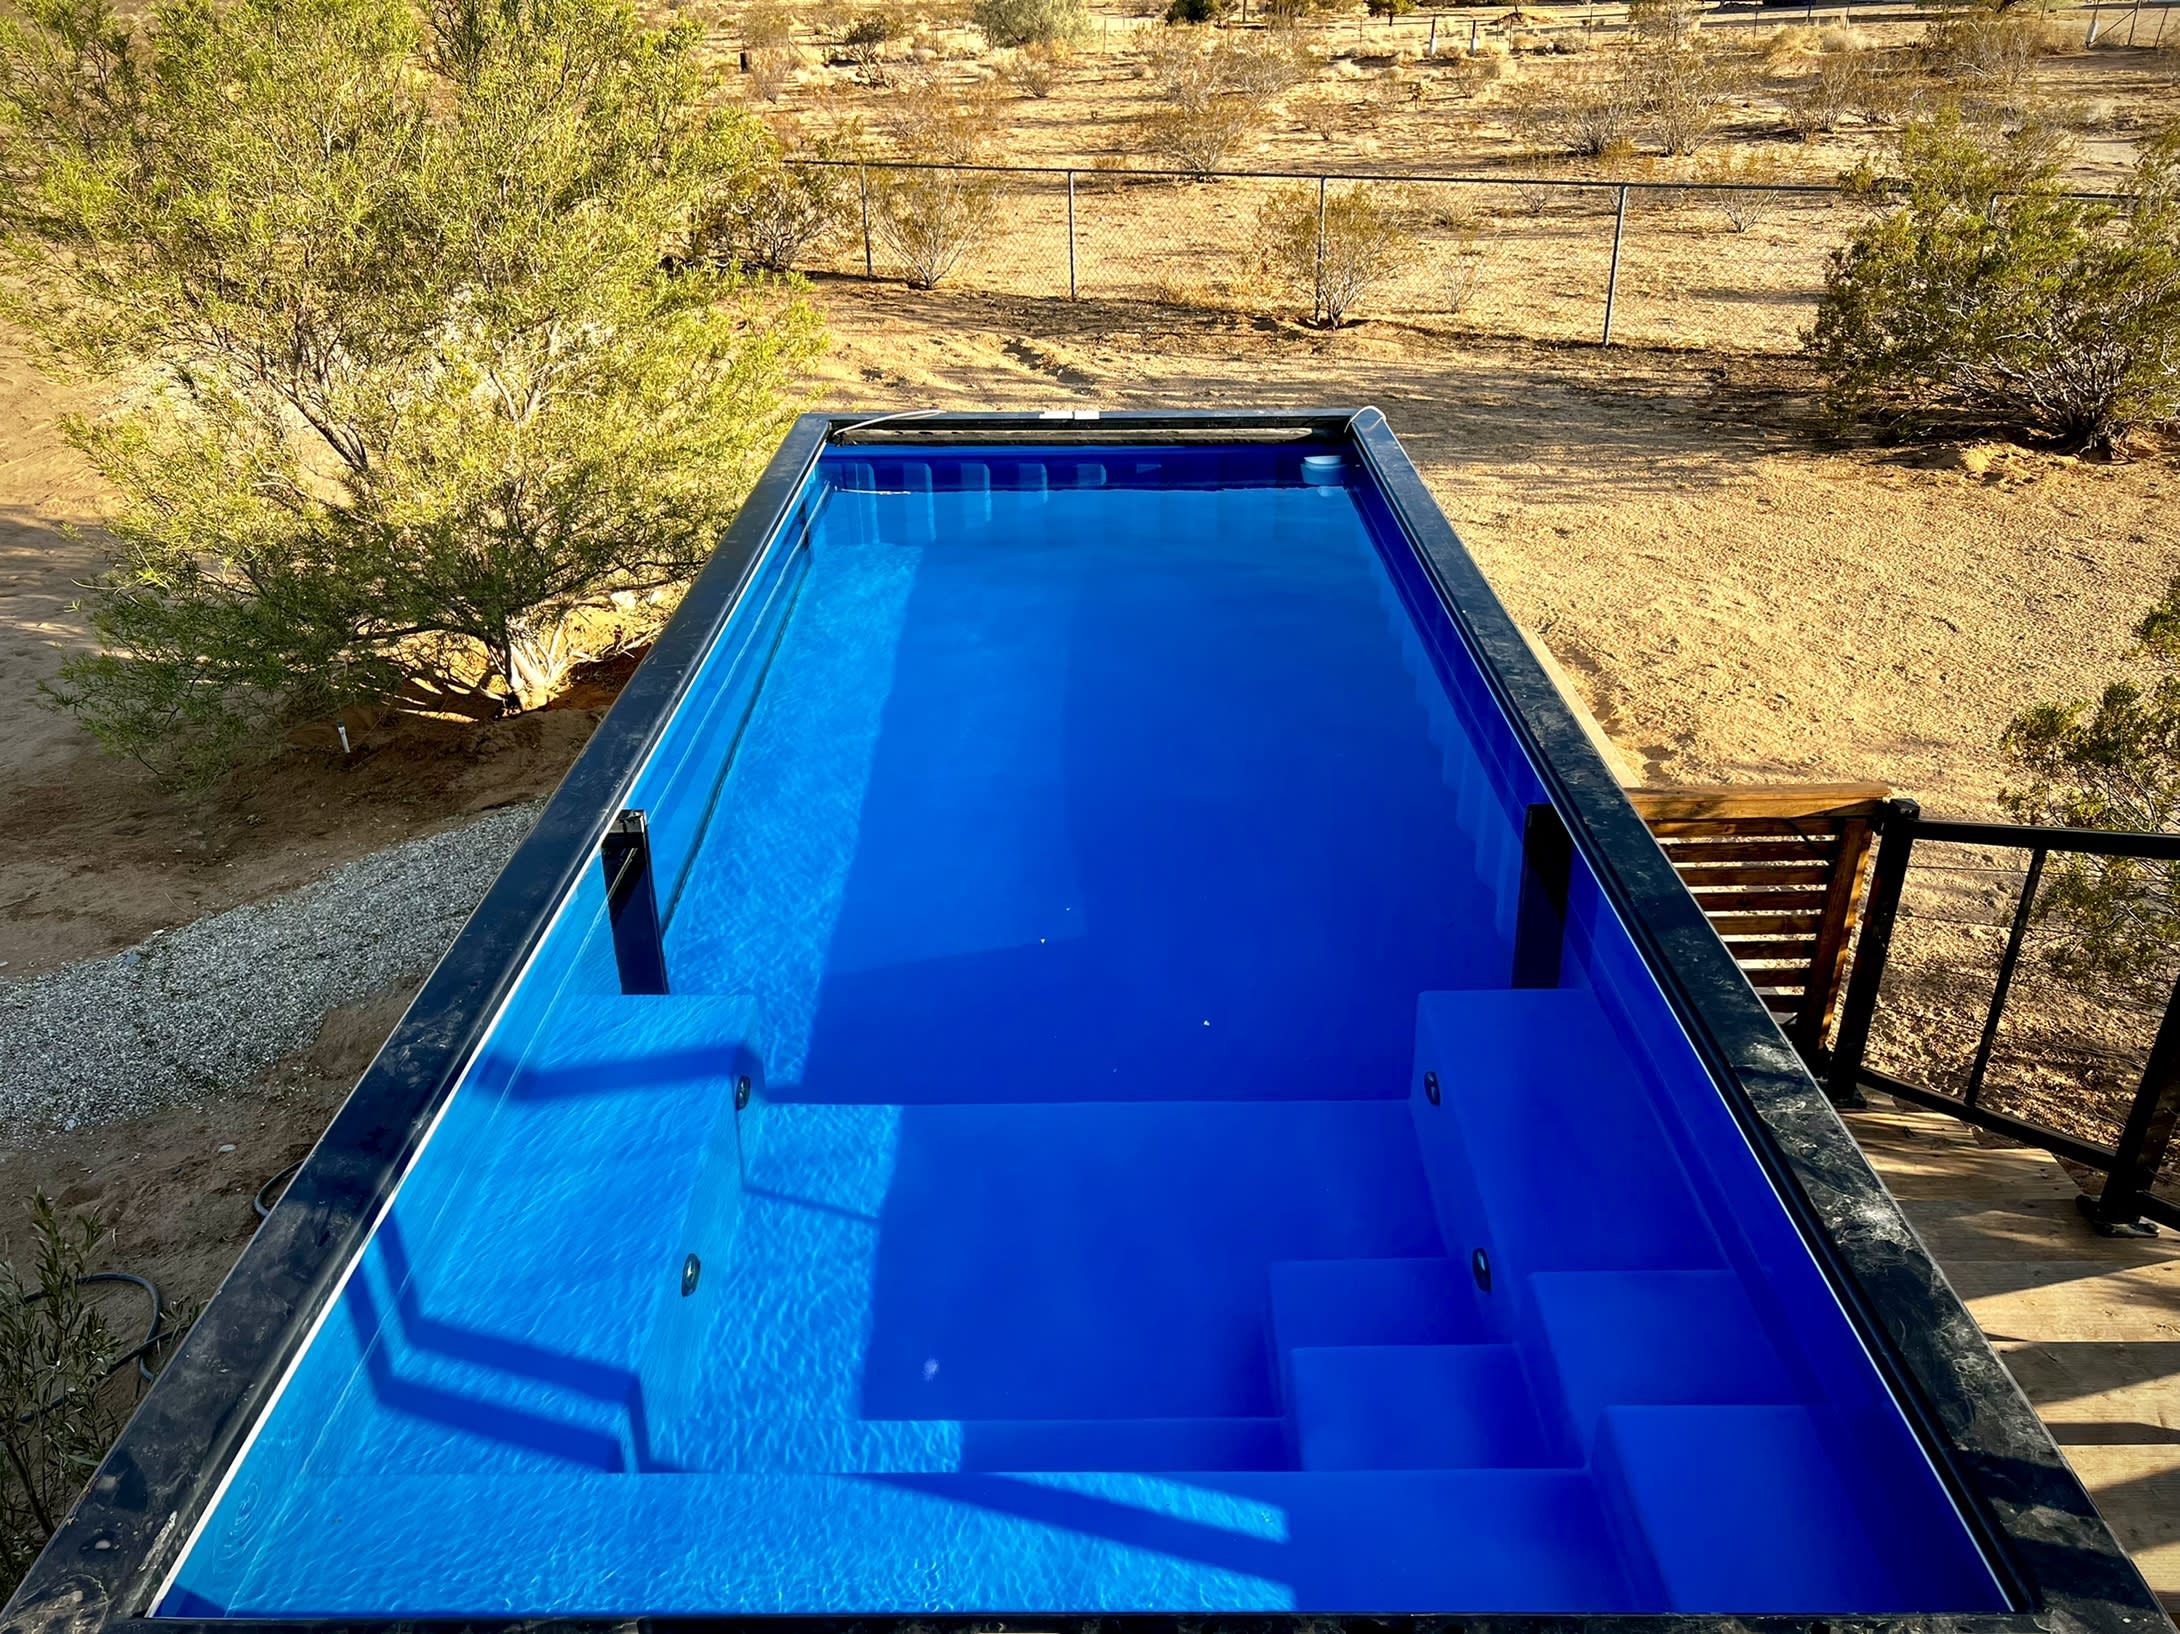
1154,1113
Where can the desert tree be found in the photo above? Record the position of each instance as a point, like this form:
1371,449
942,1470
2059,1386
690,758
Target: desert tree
410,369
1980,284
2112,762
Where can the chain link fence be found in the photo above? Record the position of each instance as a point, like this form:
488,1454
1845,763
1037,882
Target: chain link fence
1543,258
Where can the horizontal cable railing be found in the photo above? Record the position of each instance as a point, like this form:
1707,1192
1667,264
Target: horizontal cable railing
2068,1091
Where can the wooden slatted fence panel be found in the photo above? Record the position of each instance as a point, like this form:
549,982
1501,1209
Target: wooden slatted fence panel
1779,871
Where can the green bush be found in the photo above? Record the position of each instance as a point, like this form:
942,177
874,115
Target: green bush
774,209
56,1420
2110,764
1981,285
1195,11
410,368
1031,22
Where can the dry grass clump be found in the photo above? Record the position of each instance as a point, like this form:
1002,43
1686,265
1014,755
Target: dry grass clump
1751,180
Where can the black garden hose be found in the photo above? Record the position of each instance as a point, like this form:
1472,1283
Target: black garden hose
264,1200
139,1353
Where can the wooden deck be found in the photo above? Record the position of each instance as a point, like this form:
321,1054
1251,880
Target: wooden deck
2088,1325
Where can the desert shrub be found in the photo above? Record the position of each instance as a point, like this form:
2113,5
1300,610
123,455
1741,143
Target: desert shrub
388,416
1335,246
1210,96
767,27
1592,119
1325,114
2113,764
1195,11
1036,70
1031,22
1749,196
1988,53
1984,286
1683,94
867,37
932,215
55,1352
775,208
1668,24
1389,9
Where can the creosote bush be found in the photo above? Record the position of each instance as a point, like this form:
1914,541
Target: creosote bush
2112,763
1984,287
1036,70
1210,95
1031,22
1336,256
411,371
933,218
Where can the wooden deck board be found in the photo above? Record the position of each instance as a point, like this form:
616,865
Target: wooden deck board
2089,1326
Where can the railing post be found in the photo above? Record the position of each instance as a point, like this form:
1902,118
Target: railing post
2004,984
1612,279
1071,235
2117,1211
632,904
1895,839
863,176
1318,305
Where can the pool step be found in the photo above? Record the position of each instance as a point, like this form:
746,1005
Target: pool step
775,1445
576,1545
1732,1508
1653,1338
1035,1262
1382,1407
1542,1146
1143,1444
1420,1301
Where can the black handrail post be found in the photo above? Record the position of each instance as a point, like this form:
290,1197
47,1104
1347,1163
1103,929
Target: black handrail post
1895,839
2004,985
2117,1211
632,904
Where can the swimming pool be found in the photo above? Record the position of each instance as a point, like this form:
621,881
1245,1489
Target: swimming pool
1090,1065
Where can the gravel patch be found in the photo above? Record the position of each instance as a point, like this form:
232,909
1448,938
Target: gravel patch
210,1005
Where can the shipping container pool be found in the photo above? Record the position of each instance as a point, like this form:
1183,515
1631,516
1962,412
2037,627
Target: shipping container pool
1132,1062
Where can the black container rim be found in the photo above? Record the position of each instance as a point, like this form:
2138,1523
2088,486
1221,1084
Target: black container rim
2052,1553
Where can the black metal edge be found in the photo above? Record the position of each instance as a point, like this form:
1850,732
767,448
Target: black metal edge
2038,1524
116,1541
116,1546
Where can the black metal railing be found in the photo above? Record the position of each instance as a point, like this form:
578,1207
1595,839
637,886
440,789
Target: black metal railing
2132,1162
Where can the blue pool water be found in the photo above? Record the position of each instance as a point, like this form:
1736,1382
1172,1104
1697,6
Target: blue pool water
1152,1194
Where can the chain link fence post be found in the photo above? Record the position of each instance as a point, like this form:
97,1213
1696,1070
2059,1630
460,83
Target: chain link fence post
864,186
1317,303
1071,287
1612,278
